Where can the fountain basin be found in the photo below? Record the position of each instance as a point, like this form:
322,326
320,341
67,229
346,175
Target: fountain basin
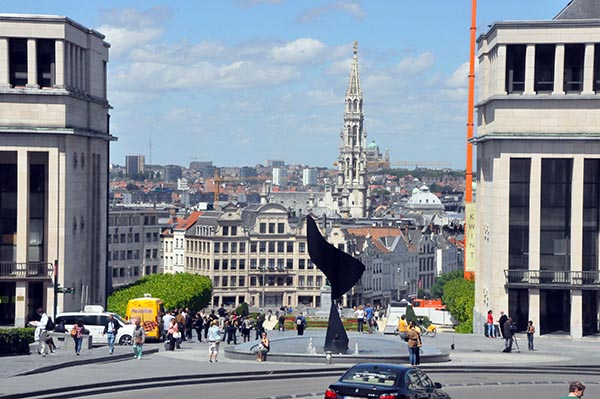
371,348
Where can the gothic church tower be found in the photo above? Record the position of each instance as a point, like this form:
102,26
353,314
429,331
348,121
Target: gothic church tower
351,188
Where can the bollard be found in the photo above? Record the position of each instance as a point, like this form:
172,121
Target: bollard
328,358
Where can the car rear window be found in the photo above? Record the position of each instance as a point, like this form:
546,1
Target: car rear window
371,377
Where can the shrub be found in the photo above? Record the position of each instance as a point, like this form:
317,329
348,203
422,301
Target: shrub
176,290
242,309
15,341
410,315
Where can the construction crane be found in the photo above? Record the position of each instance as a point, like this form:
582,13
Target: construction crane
416,164
221,179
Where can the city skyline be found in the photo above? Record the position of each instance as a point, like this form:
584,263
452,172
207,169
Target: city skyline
214,82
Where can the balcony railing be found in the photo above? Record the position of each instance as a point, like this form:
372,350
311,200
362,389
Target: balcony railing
552,279
30,270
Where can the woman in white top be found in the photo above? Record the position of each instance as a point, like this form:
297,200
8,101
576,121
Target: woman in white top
360,318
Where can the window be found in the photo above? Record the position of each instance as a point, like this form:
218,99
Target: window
155,253
109,239
233,230
136,254
319,281
217,247
225,247
242,247
234,247
300,281
271,263
241,281
280,264
216,280
280,246
597,67
310,265
515,68
573,72
225,230
309,281
290,247
262,247
253,247
289,280
271,246
544,67
280,228
253,281
216,264
262,228
224,281
136,237
271,228
17,50
301,247
233,264
253,263
242,264
289,264
148,237
225,264
301,264
262,263
123,238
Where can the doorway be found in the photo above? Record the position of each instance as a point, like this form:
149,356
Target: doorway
555,311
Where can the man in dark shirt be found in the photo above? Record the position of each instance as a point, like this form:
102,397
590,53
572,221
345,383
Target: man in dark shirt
501,321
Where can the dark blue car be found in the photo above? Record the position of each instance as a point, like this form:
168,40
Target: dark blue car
385,381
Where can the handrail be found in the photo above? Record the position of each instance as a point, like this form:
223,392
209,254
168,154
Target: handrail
553,278
26,270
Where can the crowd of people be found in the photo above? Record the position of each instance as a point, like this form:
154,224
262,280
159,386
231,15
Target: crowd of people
506,328
369,316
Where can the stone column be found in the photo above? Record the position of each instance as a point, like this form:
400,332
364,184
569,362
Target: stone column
32,80
576,314
21,303
534,309
530,69
501,70
53,235
588,69
59,62
22,205
577,214
535,204
559,69
4,63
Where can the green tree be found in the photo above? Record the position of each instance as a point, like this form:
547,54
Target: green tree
459,297
176,290
437,289
242,309
410,314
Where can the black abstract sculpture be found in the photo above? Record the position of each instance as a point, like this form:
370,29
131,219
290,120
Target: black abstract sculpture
342,271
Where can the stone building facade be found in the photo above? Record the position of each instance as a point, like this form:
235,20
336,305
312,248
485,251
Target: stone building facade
538,169
54,143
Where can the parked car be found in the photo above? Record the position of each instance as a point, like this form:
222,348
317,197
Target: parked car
94,319
385,381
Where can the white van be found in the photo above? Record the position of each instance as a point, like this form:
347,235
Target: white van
94,319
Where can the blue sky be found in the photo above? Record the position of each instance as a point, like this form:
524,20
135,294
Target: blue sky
237,82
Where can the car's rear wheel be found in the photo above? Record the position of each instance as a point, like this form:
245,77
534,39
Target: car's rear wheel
125,340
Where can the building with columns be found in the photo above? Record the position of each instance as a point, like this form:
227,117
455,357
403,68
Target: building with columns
538,170
54,144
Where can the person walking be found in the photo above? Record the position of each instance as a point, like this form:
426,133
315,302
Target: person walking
77,334
198,325
139,336
282,322
173,334
214,339
501,321
360,319
490,325
412,341
369,317
530,333
300,324
508,333
576,390
263,347
41,333
110,330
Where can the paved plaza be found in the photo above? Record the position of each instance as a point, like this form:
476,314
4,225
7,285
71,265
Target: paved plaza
470,352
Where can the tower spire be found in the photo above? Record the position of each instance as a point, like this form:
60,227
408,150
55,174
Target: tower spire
354,85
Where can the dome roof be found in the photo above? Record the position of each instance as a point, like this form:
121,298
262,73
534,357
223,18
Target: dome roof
372,146
422,199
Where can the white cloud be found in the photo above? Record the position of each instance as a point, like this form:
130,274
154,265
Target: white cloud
129,28
299,51
460,77
415,66
351,8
